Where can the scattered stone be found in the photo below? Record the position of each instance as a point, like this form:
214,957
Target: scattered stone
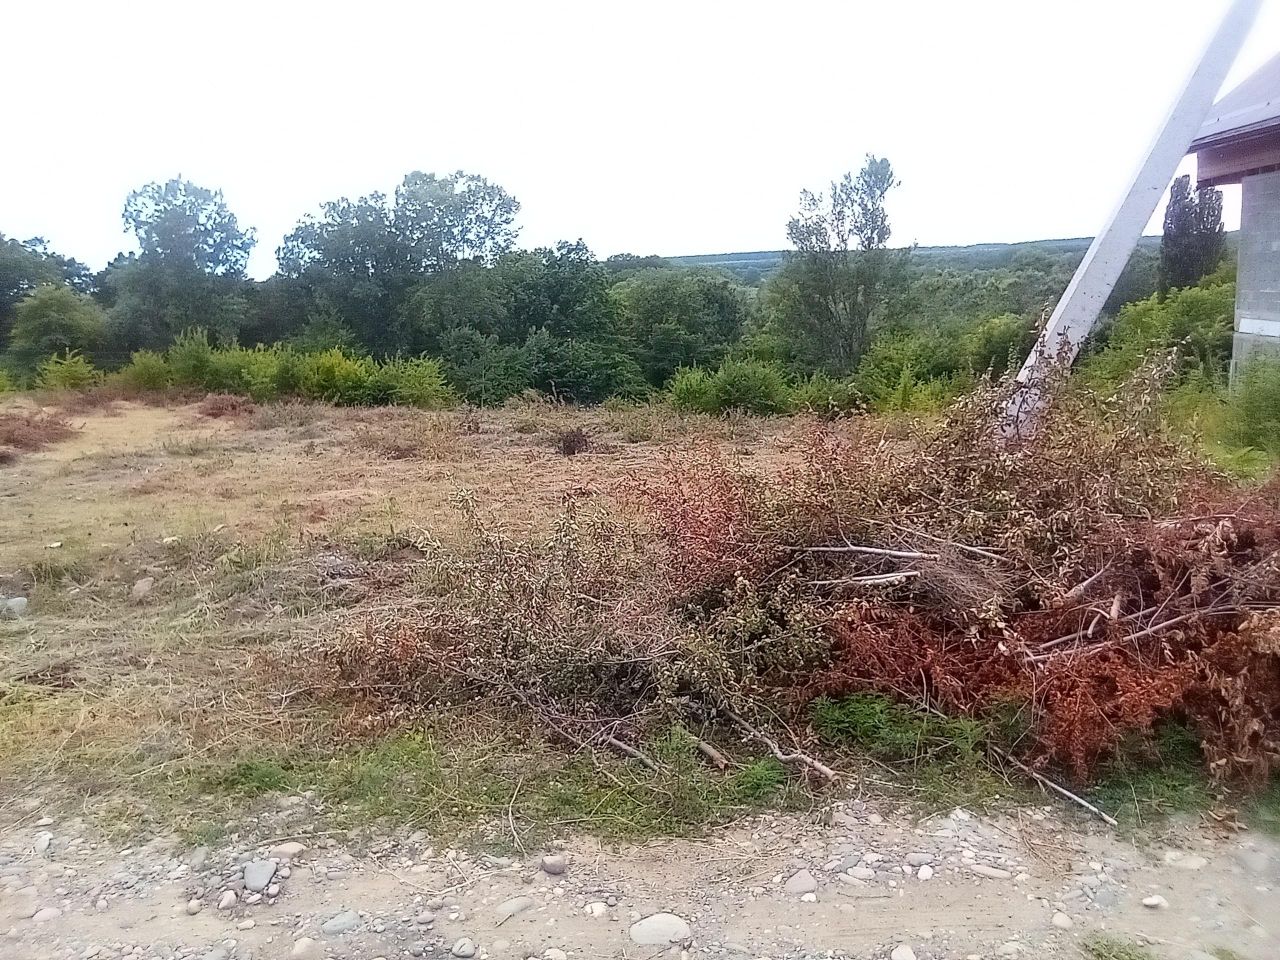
554,864
1155,902
44,839
425,918
919,859
258,874
1062,921
287,851
809,898
993,873
273,890
199,857
304,948
14,607
194,907
596,908
801,883
340,923
925,872
554,953
509,908
47,914
246,924
861,873
1010,949
465,947
902,951
227,900
141,589
660,930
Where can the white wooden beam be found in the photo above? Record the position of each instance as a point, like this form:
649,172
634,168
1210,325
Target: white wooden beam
1078,310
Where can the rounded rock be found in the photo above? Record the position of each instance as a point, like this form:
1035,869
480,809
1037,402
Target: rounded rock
660,930
1062,921
466,947
227,900
304,948
1155,902
194,907
902,951
554,864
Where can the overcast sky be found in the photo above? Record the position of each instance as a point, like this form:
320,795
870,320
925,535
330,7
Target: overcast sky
660,127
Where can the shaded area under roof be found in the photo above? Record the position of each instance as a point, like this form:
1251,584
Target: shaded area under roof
1253,105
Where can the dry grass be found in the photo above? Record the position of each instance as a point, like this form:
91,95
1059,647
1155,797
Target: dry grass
261,531
32,431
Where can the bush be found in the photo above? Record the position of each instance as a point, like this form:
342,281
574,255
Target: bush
690,390
751,387
147,370
483,370
1254,406
337,378
54,319
191,358
7,384
71,371
826,396
417,382
582,371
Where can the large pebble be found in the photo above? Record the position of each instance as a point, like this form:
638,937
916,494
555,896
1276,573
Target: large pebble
993,873
304,948
193,907
861,873
466,947
339,923
509,908
554,864
1155,902
1062,921
288,851
919,859
227,900
801,883
902,951
258,874
47,914
660,930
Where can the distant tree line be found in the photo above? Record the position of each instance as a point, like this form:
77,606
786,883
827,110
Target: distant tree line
434,270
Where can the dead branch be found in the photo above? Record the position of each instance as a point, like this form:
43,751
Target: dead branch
795,757
872,580
1049,784
716,758
629,750
870,551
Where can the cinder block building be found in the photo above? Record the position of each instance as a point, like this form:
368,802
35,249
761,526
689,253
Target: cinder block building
1240,143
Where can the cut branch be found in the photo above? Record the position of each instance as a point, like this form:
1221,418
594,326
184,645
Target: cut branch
871,551
795,757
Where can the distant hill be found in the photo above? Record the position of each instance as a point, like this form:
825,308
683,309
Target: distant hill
752,267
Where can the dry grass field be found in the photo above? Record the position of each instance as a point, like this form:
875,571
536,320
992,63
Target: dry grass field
176,558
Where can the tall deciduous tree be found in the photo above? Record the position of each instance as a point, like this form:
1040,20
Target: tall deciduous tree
181,222
24,266
842,278
1193,238
54,319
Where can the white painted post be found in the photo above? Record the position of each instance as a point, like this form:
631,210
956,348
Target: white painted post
1077,311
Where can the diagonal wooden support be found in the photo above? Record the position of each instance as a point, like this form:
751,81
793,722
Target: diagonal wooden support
1077,311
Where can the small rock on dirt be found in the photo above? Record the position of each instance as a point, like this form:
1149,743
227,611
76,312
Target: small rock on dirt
992,873
466,947
1155,902
258,874
919,859
554,864
801,883
343,922
304,948
902,952
660,930
141,589
509,908
925,872
287,851
227,900
1062,921
14,607
47,914
193,907
554,953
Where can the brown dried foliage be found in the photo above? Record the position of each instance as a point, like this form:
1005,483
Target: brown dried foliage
217,405
32,431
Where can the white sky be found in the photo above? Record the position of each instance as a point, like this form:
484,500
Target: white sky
662,127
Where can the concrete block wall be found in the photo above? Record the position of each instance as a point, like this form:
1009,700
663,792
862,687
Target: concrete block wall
1258,277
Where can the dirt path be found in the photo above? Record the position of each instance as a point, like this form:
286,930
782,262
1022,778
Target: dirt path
1032,884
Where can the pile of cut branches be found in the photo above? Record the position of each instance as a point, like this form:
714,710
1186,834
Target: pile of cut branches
1096,573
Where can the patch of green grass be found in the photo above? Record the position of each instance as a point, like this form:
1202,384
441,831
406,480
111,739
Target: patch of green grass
1264,809
1151,778
943,760
248,778
1102,947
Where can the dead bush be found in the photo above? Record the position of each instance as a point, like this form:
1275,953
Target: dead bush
572,442
32,431
218,405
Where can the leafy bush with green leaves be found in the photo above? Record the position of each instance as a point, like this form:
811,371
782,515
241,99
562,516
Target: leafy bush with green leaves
337,378
826,396
912,371
7,383
999,343
71,371
190,358
485,371
147,370
418,382
582,371
690,390
751,387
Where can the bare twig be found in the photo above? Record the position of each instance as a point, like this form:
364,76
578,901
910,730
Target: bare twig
712,754
629,750
1049,784
1084,585
871,551
794,757
873,580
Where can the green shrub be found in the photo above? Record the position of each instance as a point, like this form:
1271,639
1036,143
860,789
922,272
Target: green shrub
288,374
826,396
690,390
7,383
335,377
191,358
1254,406
581,371
51,320
485,371
418,382
71,371
259,373
146,370
750,386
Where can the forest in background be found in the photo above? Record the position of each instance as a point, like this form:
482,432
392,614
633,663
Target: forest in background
424,297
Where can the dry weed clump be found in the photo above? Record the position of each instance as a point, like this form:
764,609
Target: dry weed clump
32,431
218,405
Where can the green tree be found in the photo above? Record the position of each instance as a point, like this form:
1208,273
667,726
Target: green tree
678,318
442,221
54,319
180,222
842,280
1193,239
24,266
